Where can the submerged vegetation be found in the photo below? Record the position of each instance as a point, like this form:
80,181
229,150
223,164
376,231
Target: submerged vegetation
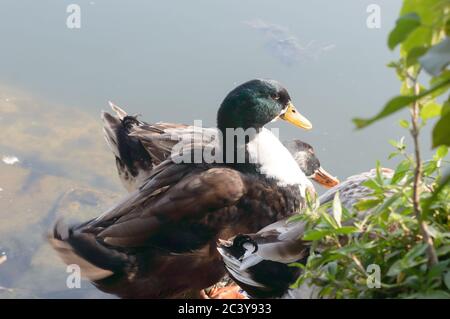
49,178
400,247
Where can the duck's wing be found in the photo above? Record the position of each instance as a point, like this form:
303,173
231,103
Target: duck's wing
174,195
160,139
139,147
169,199
280,243
259,262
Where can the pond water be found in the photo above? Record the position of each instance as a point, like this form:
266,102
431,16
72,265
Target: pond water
171,61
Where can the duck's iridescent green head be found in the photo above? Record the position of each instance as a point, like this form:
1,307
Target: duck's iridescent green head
256,103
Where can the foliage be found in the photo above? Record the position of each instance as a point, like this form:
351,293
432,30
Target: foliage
381,230
422,31
390,228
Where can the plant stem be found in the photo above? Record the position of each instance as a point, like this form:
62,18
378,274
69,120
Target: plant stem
355,259
431,252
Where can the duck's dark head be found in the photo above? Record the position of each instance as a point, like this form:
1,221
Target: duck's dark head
308,162
256,103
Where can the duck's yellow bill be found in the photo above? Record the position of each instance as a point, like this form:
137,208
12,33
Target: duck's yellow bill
293,116
324,178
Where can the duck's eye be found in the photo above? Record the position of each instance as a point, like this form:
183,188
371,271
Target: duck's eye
275,96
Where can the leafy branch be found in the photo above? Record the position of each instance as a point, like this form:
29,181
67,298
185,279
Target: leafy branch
434,59
403,224
431,252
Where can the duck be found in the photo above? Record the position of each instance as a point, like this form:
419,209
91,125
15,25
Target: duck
159,241
138,147
259,262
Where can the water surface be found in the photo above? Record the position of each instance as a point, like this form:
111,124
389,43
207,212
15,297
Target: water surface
171,61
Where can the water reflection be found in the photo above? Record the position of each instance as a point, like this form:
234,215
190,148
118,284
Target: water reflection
54,163
285,45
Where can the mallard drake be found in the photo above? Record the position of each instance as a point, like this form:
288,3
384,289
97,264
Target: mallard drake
138,147
259,263
160,240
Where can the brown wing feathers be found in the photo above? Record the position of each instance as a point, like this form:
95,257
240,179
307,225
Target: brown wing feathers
138,218
110,244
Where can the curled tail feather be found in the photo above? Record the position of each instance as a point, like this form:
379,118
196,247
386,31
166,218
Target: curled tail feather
95,260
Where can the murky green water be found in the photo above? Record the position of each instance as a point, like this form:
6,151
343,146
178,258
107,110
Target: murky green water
172,61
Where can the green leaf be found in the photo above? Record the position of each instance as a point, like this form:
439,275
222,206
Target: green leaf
404,26
431,20
447,279
421,36
332,268
404,123
366,204
444,250
437,269
394,143
387,203
345,230
398,103
372,184
337,209
447,28
392,155
392,64
414,54
430,110
441,152
379,176
395,269
415,252
400,171
327,291
330,220
296,218
436,81
394,105
316,234
411,259
442,185
399,145
446,107
437,57
441,131
430,167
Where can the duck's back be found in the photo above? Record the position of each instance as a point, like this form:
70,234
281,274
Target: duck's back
160,241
